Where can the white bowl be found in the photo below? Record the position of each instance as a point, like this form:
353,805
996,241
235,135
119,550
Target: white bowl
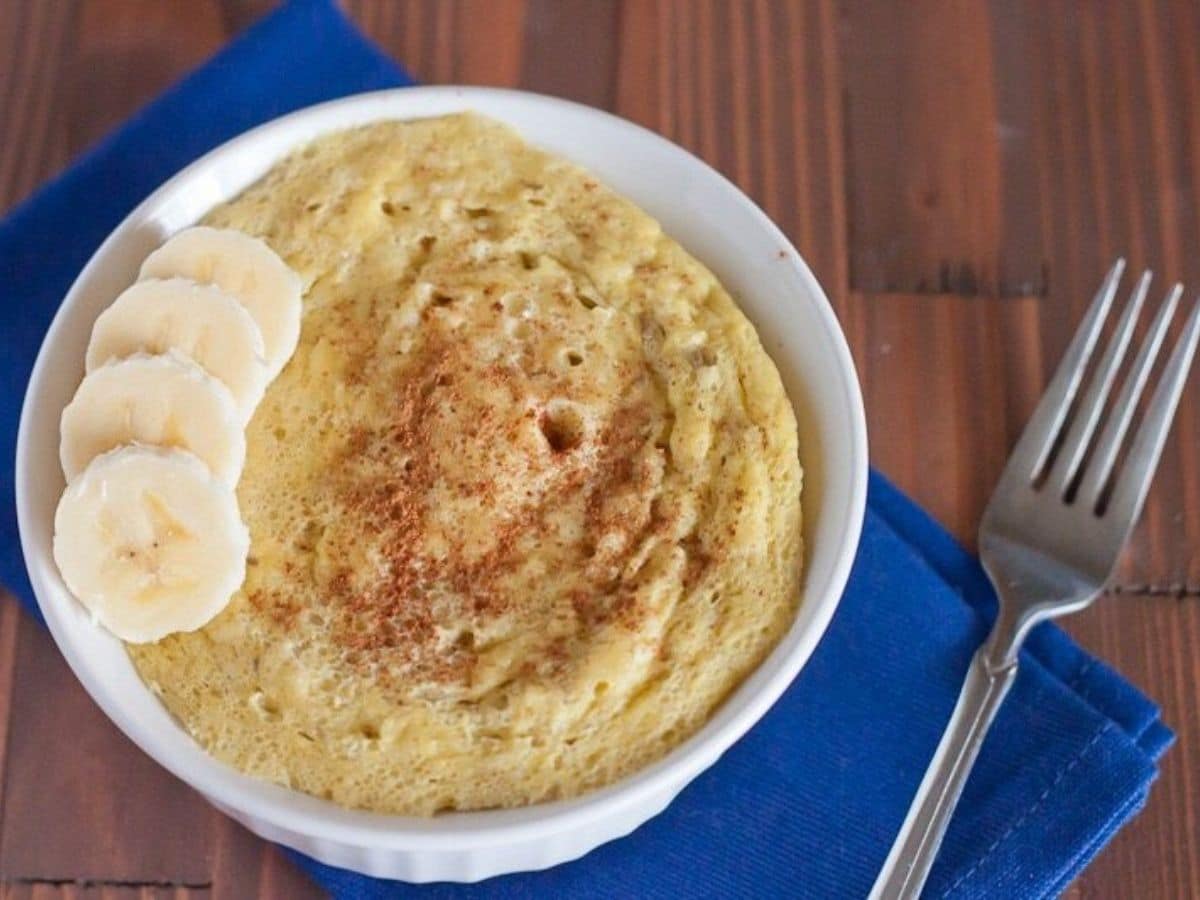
705,213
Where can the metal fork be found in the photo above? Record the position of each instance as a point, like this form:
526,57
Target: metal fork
1052,535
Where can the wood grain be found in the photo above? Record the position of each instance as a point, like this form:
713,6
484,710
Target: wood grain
1152,640
10,619
123,53
28,90
67,765
464,42
944,434
923,150
958,174
52,890
1016,151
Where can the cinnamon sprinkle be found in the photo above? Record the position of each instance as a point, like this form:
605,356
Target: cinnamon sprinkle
405,619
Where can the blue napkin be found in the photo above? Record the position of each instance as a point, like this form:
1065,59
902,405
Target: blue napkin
807,804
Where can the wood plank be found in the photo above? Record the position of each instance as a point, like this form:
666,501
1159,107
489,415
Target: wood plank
238,15
80,800
32,148
95,62
1119,171
244,865
125,53
570,50
49,890
1020,255
940,374
1152,641
9,616
925,139
454,42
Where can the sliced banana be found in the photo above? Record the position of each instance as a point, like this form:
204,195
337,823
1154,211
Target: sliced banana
150,542
245,268
166,400
200,321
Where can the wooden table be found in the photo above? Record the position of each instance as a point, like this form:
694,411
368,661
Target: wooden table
958,174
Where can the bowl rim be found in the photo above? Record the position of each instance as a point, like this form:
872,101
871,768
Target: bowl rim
291,810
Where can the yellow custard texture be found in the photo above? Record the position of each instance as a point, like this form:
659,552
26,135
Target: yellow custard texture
525,504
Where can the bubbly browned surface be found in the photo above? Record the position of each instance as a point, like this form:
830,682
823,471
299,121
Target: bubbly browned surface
525,504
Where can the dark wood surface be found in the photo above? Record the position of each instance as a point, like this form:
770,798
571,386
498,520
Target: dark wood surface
958,174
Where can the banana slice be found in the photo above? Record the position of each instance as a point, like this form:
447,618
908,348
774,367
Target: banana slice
150,542
200,321
166,400
245,268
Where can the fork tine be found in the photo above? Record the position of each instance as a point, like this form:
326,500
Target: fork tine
1129,492
1029,456
1087,416
1096,475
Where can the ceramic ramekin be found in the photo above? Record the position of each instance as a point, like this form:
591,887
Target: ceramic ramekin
699,208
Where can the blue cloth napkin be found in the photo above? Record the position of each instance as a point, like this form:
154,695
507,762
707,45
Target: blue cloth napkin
807,804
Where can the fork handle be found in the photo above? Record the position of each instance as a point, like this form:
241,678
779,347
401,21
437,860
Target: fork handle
911,857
